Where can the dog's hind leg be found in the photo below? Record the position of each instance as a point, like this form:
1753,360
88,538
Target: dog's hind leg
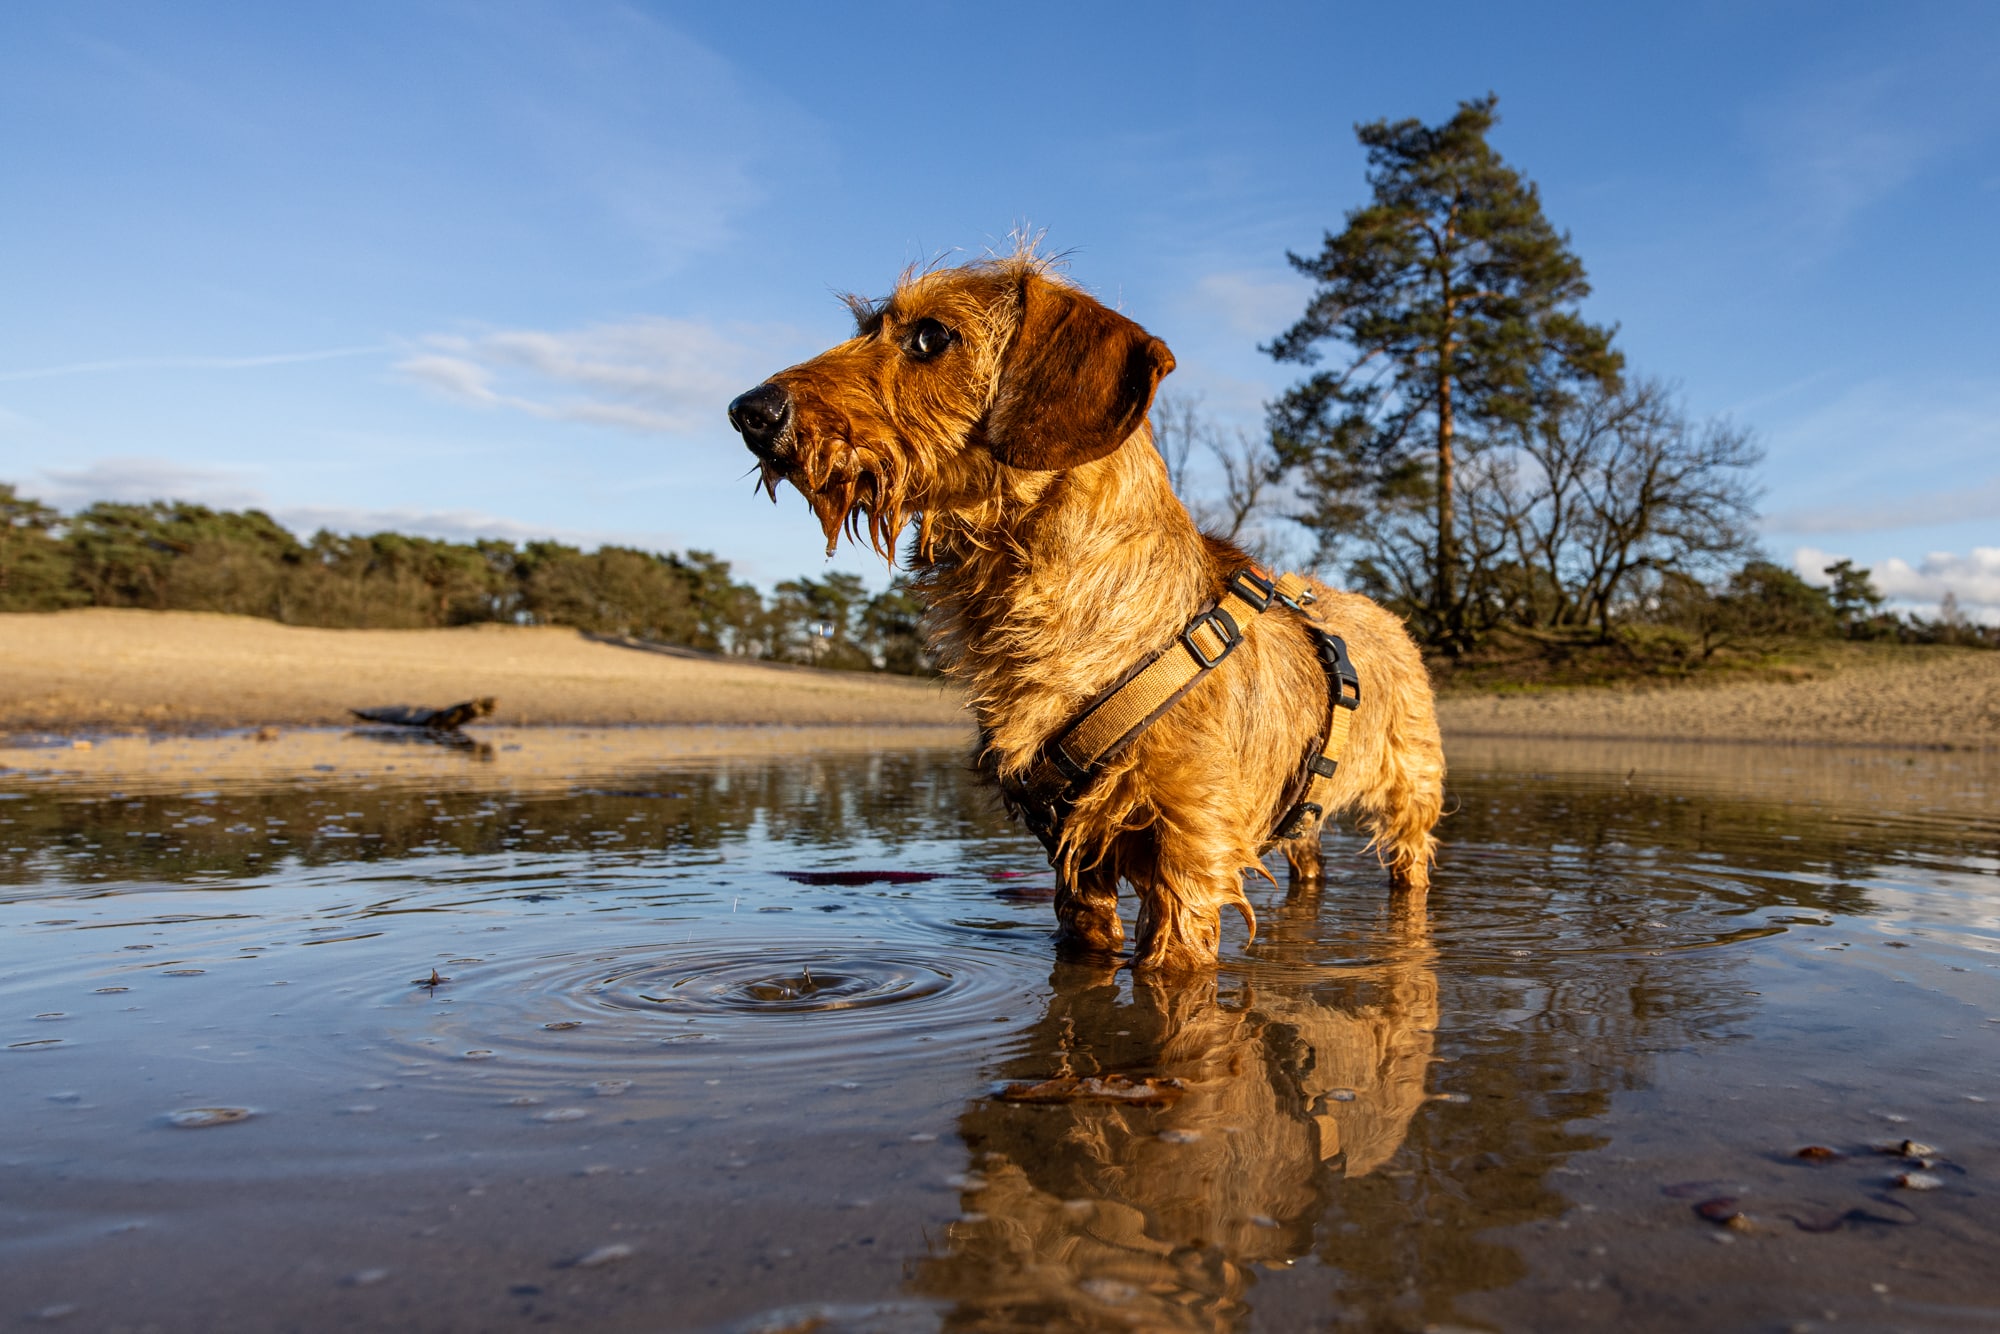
1087,911
1398,815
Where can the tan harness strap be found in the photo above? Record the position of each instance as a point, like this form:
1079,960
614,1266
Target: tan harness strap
1209,638
1071,758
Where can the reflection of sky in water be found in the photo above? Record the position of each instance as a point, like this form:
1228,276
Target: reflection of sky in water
759,1034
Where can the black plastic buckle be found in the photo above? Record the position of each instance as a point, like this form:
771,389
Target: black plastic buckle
1333,657
1253,588
1224,625
1350,693
1074,774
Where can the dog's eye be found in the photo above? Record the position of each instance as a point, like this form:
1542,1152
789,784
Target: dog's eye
926,339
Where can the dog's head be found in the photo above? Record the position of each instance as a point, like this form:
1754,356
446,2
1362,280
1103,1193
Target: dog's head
960,376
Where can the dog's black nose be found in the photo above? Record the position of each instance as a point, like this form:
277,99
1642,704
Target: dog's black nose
762,416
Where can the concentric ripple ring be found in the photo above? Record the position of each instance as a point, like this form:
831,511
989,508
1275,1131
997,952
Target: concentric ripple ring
531,1024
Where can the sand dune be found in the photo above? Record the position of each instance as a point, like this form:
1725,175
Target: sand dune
1941,698
103,668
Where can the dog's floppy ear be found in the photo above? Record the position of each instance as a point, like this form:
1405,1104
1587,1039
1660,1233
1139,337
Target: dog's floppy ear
1077,380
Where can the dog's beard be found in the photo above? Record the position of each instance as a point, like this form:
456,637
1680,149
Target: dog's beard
866,496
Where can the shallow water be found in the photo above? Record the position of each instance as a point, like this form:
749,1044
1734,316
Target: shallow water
780,1044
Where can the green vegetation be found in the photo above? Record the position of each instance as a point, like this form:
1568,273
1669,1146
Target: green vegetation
173,556
1474,455
1453,304
1762,621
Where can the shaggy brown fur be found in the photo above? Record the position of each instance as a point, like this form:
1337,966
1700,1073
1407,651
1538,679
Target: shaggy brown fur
1003,411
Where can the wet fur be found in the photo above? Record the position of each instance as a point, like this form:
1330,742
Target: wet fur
1053,555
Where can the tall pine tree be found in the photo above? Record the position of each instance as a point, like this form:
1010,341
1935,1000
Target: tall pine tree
1452,303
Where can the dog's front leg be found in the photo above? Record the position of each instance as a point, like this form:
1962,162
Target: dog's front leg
1087,911
1308,865
1181,903
1178,930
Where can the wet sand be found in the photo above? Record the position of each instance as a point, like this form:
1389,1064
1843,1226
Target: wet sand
522,759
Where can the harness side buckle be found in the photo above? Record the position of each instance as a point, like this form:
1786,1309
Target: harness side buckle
1339,669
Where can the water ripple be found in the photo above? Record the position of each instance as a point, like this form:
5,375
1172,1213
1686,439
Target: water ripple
555,1019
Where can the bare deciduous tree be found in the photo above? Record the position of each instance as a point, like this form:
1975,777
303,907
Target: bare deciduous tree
1615,486
1177,424
1244,464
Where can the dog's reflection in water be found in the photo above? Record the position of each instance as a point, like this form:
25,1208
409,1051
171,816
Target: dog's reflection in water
1154,1146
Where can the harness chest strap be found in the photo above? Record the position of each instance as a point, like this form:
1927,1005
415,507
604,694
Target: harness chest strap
1313,797
1128,707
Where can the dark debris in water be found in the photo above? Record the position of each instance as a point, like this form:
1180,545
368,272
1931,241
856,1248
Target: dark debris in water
853,878
1723,1209
1812,1219
633,793
1682,1190
1026,893
202,1118
1144,1092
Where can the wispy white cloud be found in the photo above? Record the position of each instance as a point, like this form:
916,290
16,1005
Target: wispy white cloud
188,363
1257,303
1918,451
144,479
1921,509
450,525
1838,143
669,142
139,480
1973,579
660,375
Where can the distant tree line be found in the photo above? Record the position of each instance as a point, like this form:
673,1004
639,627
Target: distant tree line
1761,605
175,556
1469,450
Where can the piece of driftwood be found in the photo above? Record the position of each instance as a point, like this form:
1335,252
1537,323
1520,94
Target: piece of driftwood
1144,1092
431,720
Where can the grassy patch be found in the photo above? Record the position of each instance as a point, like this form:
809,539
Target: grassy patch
1512,663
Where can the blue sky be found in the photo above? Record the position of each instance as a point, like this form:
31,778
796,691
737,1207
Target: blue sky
496,267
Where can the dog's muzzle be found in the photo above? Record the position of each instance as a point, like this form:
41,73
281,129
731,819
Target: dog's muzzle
764,418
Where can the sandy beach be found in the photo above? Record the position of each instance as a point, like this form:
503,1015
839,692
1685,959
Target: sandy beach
96,671
179,671
1941,698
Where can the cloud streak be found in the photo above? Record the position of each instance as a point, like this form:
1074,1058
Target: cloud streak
1258,303
139,480
1924,509
1838,144
142,480
449,525
188,363
654,375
